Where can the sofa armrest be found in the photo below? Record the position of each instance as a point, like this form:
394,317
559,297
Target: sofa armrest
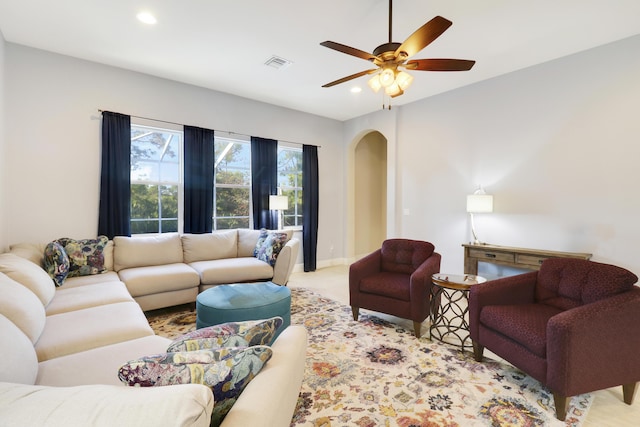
595,346
185,405
270,399
518,289
285,262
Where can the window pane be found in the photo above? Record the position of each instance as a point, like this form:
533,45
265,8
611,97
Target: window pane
233,162
228,223
232,202
139,227
144,201
170,226
169,201
155,180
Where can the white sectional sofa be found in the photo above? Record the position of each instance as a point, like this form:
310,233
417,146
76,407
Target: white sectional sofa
62,347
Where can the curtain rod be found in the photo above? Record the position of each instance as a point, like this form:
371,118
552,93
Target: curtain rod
225,131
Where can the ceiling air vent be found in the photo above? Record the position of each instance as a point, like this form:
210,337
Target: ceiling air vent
277,62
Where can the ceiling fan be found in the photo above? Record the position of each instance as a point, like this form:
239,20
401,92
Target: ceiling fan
390,57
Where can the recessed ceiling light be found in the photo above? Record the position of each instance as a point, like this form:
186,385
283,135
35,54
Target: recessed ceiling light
356,89
146,18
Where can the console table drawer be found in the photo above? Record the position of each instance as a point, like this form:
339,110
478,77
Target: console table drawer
491,255
530,259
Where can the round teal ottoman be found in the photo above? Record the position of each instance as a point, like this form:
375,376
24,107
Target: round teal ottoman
243,301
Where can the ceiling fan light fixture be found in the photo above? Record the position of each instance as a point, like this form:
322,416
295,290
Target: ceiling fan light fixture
374,83
387,77
393,90
404,79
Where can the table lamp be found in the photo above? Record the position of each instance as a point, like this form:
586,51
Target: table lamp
478,202
279,203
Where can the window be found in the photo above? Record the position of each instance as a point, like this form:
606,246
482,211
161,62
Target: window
157,181
290,182
156,157
232,185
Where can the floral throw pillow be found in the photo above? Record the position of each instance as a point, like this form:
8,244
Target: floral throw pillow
56,262
227,371
269,245
232,334
86,257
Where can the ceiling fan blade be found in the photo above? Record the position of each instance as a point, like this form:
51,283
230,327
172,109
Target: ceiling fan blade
351,77
440,64
423,36
348,50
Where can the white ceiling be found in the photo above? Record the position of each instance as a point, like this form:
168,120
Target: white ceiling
222,45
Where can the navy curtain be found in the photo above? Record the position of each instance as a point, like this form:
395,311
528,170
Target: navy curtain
114,214
310,189
199,161
264,181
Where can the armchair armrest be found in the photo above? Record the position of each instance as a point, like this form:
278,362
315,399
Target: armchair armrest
420,284
518,289
595,346
360,269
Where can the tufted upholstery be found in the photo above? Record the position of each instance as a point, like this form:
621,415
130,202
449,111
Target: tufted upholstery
404,256
395,279
563,325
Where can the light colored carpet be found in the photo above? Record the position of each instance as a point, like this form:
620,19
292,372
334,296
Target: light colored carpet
376,373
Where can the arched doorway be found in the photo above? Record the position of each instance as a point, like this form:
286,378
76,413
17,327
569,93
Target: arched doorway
370,193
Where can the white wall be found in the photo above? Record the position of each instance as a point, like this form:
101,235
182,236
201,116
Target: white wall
3,161
53,134
556,144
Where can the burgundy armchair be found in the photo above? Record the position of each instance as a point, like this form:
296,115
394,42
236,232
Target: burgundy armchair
574,326
396,280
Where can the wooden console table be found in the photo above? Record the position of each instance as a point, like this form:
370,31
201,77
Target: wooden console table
511,257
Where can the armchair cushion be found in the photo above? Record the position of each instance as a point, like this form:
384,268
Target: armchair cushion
527,323
403,255
392,285
569,283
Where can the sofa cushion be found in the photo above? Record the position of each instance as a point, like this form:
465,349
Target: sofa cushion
247,240
74,282
99,365
232,270
28,274
142,251
81,297
19,361
22,307
102,325
86,256
187,405
159,278
269,245
227,371
56,262
230,334
216,245
31,251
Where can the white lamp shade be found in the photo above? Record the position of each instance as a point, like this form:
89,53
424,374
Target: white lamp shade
278,203
479,203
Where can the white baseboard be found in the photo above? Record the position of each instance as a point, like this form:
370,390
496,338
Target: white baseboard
299,268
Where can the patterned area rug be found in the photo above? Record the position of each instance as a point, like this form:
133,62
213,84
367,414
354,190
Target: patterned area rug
374,373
